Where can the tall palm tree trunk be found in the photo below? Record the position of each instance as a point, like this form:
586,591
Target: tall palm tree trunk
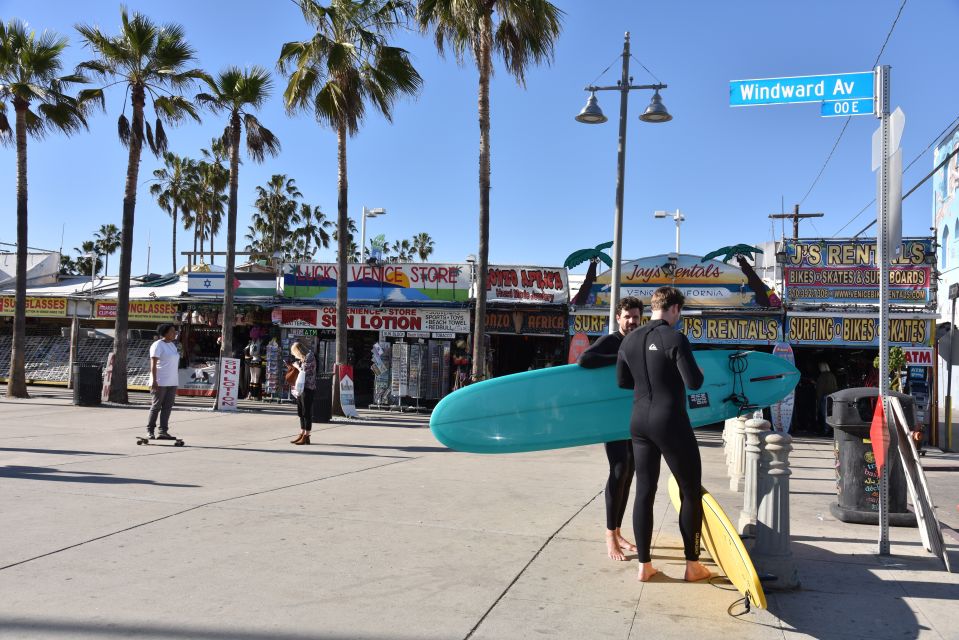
192,260
226,346
175,220
17,378
482,263
118,384
343,247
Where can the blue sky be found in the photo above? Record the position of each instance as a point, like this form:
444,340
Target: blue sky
553,178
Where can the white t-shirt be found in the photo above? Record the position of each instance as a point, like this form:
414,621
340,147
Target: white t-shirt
168,363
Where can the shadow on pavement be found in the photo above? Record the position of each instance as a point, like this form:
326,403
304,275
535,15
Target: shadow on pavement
45,628
842,599
56,475
301,451
65,452
383,446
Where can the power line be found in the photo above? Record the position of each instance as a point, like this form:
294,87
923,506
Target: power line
846,124
939,136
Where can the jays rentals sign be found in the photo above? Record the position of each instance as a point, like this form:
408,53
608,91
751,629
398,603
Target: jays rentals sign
845,272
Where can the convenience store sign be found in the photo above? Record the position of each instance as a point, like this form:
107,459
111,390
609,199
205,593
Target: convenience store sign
36,307
845,271
140,310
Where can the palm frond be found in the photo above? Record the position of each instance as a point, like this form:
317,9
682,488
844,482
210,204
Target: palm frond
175,108
259,140
150,140
123,129
161,138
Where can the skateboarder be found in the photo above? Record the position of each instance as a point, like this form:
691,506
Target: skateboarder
164,365
619,453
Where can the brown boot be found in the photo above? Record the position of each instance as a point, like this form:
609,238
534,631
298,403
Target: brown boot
304,440
297,440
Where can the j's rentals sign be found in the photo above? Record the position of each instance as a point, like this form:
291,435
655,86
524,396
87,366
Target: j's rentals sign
845,271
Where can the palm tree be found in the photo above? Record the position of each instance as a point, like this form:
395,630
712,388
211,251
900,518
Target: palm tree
345,65
423,245
352,249
313,230
234,91
152,62
523,32
108,241
172,191
84,264
276,215
214,178
403,250
29,68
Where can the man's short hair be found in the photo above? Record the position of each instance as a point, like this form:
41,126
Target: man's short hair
665,297
629,302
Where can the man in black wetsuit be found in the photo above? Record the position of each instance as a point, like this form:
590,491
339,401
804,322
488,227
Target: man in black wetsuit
602,353
657,362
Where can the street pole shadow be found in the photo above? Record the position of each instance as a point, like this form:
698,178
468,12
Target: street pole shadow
844,599
56,475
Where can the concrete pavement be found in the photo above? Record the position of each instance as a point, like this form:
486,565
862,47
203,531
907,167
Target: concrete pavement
377,531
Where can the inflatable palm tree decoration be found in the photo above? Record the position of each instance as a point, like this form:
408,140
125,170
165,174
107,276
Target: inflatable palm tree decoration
741,252
594,256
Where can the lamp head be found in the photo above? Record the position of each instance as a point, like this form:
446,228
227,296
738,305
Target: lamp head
656,111
659,214
378,211
591,113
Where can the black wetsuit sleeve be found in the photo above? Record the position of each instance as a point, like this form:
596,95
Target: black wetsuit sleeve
601,353
688,369
624,377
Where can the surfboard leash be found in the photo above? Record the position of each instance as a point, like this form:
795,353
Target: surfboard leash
738,365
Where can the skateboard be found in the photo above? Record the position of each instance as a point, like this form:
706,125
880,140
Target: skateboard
175,443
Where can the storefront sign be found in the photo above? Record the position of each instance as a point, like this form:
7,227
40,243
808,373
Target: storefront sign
381,318
347,401
393,282
700,329
244,284
197,380
844,271
856,331
918,356
140,310
536,285
444,335
705,284
36,307
229,384
521,321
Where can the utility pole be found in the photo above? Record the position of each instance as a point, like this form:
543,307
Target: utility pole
795,216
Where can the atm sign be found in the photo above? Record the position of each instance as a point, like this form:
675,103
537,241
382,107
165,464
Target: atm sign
918,356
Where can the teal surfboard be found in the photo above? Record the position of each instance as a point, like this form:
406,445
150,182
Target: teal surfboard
570,406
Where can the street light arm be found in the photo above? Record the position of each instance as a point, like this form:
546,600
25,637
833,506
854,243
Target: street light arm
656,87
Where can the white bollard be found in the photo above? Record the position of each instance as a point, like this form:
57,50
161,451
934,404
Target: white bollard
737,450
771,553
747,517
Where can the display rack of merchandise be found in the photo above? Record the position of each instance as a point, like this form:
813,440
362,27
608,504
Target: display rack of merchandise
271,376
381,365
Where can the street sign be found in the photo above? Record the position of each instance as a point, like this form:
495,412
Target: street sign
954,291
830,87
839,108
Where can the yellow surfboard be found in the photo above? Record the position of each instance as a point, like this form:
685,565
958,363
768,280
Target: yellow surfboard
726,547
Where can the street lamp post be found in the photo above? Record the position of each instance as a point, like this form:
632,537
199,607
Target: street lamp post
678,217
93,256
592,114
367,213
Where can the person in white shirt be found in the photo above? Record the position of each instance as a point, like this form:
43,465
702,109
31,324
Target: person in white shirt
164,363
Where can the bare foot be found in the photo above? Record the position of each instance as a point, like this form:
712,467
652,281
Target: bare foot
695,571
612,547
646,571
624,543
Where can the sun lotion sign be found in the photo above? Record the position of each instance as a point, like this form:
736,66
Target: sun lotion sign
229,383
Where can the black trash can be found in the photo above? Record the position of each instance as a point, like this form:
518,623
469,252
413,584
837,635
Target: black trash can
87,384
323,398
849,412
